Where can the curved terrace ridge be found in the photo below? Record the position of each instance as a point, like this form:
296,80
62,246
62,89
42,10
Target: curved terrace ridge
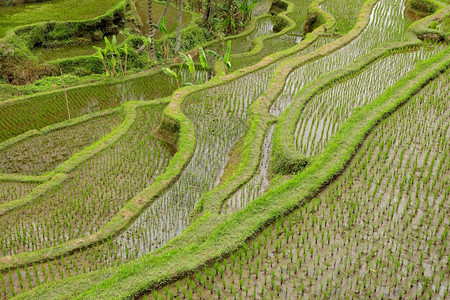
210,234
119,216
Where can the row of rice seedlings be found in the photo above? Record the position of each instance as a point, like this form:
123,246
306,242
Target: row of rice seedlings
260,8
271,46
346,13
43,110
42,153
242,44
258,184
16,281
263,27
94,192
215,114
379,231
299,15
127,249
10,191
219,115
279,43
387,25
200,76
325,113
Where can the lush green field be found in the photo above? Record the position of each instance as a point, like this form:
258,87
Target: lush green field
315,166
142,10
55,10
365,235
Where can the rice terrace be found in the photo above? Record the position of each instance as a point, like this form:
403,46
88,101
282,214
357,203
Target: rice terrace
230,149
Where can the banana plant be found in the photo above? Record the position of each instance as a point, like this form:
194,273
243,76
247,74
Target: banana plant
189,62
147,42
109,50
175,75
125,51
245,7
101,55
226,58
162,27
203,60
187,59
111,57
115,51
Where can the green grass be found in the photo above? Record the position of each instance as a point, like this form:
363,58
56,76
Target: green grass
56,10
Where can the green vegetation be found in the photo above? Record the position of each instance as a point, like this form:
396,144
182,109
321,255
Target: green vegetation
354,237
33,112
302,157
346,15
10,191
94,175
55,10
43,152
114,58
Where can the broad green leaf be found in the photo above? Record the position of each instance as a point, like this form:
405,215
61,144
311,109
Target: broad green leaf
163,25
191,65
185,58
203,60
214,54
227,56
172,29
108,44
99,52
169,72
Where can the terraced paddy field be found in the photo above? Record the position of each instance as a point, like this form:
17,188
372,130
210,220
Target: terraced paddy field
317,167
58,10
53,53
379,230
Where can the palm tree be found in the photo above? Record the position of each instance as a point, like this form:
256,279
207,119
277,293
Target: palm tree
150,27
180,17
